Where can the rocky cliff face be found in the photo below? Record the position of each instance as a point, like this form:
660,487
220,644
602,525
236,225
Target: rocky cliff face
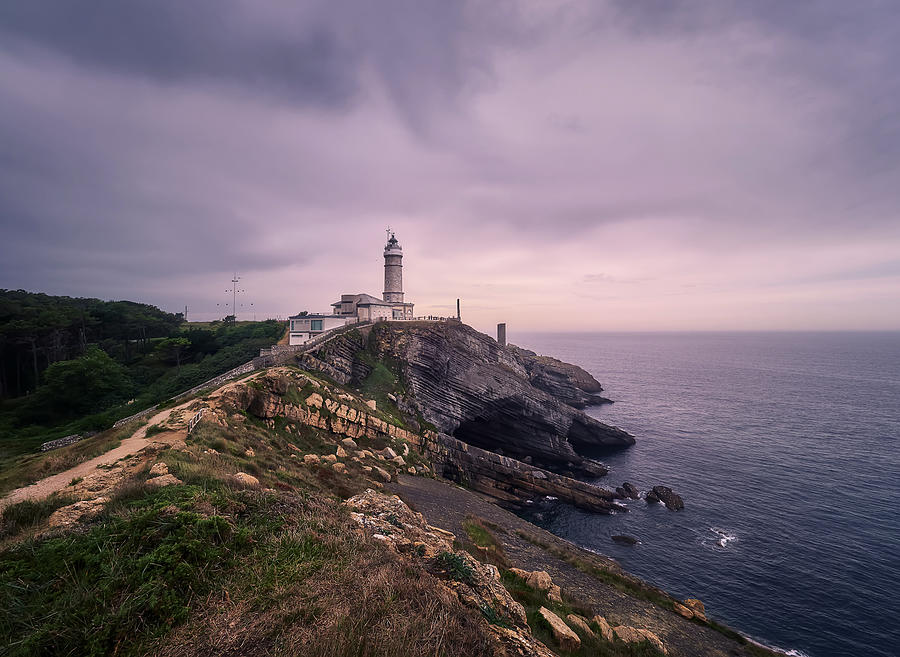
466,385
567,382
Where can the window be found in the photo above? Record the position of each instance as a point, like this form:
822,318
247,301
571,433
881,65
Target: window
316,325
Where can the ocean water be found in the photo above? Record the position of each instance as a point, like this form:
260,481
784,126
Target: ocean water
786,450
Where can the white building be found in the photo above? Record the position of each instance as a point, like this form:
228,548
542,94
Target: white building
360,307
305,326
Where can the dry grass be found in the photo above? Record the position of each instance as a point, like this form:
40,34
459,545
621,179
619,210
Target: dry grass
348,596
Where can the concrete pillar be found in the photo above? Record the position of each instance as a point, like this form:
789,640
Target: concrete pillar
501,334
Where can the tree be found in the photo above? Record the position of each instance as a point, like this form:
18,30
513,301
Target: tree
171,349
91,383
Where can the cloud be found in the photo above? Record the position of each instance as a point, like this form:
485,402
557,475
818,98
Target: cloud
531,156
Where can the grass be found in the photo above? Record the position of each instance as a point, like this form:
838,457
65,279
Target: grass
29,514
454,567
482,544
154,429
30,468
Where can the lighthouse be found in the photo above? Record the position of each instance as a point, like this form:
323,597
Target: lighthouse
393,271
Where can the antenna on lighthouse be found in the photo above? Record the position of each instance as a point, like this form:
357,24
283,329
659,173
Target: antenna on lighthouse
388,231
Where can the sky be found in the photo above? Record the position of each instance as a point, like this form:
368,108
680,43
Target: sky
560,166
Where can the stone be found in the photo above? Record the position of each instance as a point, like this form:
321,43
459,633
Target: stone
605,629
69,515
339,467
399,461
340,453
314,400
625,539
249,453
383,474
371,403
311,459
520,573
697,607
163,480
580,623
539,580
349,443
555,594
683,611
667,496
330,458
388,453
634,635
411,470
246,479
630,491
367,468
562,633
392,397
159,469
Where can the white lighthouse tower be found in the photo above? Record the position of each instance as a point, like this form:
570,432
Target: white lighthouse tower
393,271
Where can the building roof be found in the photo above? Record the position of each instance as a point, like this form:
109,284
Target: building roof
316,316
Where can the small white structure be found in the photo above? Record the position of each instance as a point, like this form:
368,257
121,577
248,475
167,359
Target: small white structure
360,307
305,326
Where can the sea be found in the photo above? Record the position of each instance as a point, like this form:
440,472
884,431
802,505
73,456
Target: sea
786,450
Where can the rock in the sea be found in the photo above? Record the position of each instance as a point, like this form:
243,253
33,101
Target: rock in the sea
625,539
667,496
630,490
562,633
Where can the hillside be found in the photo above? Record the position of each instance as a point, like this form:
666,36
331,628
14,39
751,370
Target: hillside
287,522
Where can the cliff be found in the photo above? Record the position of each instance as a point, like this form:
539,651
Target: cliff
463,383
569,383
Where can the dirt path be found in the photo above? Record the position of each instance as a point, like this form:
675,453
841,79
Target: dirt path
138,440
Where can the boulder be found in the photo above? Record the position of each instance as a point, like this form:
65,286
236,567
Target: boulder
315,400
382,474
399,461
340,453
624,539
539,580
249,453
371,403
163,480
683,611
388,453
580,623
159,469
634,635
311,459
555,594
349,443
605,629
330,458
246,479
667,496
69,515
562,633
339,467
697,607
630,491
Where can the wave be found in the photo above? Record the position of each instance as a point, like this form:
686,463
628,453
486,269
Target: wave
721,537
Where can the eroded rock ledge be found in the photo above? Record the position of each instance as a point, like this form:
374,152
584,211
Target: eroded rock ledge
503,478
466,385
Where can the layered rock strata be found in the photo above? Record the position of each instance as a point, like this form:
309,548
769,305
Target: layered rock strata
501,477
466,385
569,383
